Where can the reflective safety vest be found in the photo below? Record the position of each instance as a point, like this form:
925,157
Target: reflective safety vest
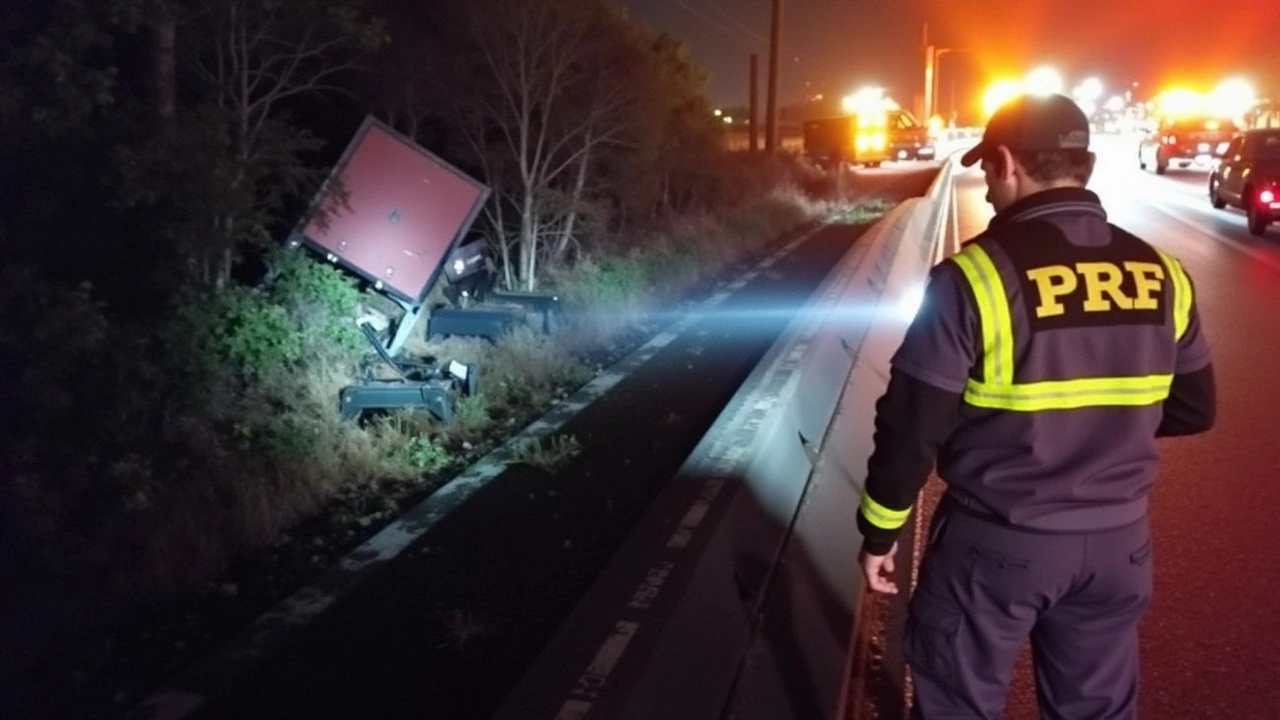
996,388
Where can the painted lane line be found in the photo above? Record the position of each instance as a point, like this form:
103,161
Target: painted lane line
1213,234
599,670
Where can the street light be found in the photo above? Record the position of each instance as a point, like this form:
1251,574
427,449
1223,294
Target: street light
933,55
1087,94
1233,98
1044,81
1090,90
870,99
937,58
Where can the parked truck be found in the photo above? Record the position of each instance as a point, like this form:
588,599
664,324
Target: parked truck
857,139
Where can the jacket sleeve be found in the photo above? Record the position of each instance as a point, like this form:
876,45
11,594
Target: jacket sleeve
1192,404
913,420
920,407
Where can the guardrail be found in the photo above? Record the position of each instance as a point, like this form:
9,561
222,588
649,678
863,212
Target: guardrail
800,665
737,595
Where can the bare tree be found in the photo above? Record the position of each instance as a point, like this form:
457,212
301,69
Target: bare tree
576,117
549,102
263,52
257,56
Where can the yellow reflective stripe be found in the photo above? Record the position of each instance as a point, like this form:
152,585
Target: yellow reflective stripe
881,516
1070,394
1181,294
993,313
986,315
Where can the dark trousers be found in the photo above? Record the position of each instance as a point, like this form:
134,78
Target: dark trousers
985,588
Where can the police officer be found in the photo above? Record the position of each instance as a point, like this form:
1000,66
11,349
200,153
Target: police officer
1048,356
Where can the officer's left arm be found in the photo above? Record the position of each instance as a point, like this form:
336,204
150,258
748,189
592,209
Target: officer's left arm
919,409
1192,403
913,420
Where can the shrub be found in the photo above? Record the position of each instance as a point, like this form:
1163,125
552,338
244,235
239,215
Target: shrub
615,279
303,311
547,453
426,455
320,299
252,334
471,410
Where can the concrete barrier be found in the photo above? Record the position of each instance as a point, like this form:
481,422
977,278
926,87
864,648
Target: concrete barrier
737,595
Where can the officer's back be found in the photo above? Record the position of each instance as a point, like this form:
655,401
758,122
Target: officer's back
1048,356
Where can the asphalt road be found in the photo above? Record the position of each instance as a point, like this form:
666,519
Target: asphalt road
451,623
1211,640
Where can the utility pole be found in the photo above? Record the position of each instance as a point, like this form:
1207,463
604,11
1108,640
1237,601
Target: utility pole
775,39
753,124
928,75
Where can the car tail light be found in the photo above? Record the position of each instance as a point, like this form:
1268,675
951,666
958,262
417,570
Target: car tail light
1170,139
1266,197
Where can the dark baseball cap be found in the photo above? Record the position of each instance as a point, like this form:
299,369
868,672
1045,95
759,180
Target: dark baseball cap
1033,122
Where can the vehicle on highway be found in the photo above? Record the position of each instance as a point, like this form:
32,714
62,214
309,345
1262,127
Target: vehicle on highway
1248,177
853,139
1185,141
909,139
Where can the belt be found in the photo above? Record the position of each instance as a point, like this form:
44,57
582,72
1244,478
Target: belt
967,503
956,499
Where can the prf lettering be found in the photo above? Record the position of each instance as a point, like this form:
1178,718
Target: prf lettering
1102,286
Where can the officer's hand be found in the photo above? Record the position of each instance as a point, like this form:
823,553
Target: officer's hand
879,569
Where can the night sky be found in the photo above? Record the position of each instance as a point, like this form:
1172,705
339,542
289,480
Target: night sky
837,45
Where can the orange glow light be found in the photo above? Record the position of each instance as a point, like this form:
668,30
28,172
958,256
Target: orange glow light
999,94
1180,102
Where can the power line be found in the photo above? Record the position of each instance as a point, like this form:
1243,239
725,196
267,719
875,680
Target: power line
725,13
739,31
738,28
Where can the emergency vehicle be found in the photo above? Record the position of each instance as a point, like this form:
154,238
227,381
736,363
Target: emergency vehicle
1185,141
854,139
